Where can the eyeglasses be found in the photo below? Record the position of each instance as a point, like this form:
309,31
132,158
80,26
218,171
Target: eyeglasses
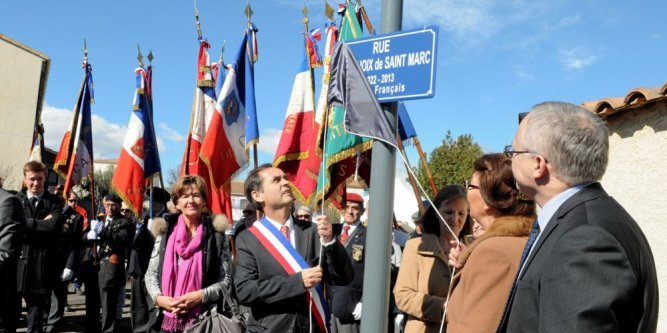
72,200
248,212
510,153
469,186
125,210
303,216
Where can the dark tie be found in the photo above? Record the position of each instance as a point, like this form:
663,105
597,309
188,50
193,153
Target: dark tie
534,232
345,234
33,202
285,231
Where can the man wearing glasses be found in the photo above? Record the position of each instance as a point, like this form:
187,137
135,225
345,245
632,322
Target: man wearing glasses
304,213
588,267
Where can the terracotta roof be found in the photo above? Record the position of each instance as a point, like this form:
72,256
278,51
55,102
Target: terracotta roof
633,99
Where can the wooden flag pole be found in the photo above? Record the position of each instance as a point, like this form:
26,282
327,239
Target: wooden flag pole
422,156
369,25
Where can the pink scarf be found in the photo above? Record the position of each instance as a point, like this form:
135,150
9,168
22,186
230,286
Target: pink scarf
179,279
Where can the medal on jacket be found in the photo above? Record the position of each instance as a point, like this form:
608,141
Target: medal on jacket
357,252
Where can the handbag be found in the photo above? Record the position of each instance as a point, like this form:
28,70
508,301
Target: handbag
212,321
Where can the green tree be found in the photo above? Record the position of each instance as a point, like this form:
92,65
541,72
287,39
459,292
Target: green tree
451,162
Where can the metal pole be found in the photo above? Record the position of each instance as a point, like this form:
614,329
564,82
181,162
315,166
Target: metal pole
375,311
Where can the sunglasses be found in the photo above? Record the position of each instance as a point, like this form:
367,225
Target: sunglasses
125,210
303,216
72,200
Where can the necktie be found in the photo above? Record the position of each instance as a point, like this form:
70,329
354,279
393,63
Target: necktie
345,234
33,202
534,232
285,231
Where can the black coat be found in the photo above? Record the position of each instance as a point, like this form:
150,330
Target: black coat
140,255
115,242
278,300
345,298
12,224
37,265
591,270
69,243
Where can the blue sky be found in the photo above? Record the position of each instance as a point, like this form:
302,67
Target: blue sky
496,59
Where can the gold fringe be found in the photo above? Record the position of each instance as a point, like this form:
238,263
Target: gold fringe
127,201
205,83
291,157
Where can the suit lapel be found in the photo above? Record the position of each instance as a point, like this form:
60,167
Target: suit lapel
358,232
301,240
588,193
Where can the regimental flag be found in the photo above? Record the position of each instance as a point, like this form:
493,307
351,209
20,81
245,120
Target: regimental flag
297,151
349,89
203,107
75,156
224,149
139,157
251,127
405,128
345,155
36,151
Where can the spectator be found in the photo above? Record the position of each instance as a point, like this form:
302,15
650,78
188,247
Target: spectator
12,224
36,267
423,279
304,213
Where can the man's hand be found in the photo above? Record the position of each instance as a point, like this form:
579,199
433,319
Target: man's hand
311,276
454,253
324,228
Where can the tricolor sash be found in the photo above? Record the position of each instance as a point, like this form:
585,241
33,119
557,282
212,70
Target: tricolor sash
292,262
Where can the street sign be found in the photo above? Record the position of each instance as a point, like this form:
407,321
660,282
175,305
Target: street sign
399,65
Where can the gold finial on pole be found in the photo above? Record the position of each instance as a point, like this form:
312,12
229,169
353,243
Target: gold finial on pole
248,11
140,56
197,20
150,57
328,10
305,16
85,52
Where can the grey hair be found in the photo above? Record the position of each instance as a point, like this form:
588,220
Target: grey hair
572,139
305,209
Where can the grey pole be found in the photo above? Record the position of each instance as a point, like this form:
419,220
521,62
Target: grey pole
375,301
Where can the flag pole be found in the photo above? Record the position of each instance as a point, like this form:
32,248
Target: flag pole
369,25
422,157
92,160
413,182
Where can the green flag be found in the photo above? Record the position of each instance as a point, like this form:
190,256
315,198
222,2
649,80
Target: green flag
341,160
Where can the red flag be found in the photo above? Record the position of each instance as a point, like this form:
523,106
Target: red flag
203,109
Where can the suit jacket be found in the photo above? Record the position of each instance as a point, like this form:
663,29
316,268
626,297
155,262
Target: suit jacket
591,270
69,242
140,255
422,284
115,242
481,286
36,264
345,298
278,300
12,223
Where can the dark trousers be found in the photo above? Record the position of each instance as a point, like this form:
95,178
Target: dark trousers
36,308
8,308
89,278
58,301
140,306
109,296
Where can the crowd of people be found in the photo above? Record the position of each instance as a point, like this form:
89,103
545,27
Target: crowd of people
483,258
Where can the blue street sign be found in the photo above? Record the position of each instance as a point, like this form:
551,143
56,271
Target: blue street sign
399,65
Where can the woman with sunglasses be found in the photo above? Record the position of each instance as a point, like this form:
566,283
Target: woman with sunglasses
487,267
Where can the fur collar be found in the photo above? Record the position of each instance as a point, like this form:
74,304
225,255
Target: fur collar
504,226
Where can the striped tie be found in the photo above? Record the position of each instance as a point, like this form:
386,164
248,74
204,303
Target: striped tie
534,232
285,231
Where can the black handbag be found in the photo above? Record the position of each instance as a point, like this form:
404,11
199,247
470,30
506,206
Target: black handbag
212,321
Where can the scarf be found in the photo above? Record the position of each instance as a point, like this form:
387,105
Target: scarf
179,279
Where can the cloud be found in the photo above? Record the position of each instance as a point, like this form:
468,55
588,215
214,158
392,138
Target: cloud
269,140
467,20
171,134
577,58
107,136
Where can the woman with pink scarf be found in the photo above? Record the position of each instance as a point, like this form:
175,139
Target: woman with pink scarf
185,274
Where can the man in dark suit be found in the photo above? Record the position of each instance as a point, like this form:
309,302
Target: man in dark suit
115,240
278,300
12,224
67,261
588,266
36,266
346,300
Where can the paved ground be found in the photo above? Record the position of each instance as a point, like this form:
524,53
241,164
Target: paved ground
74,320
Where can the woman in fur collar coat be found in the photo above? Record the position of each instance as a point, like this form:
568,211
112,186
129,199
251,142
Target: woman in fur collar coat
486,269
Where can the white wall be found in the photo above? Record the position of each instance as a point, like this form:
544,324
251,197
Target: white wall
637,178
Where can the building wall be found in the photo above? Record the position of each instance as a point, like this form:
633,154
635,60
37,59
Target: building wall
20,83
637,177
